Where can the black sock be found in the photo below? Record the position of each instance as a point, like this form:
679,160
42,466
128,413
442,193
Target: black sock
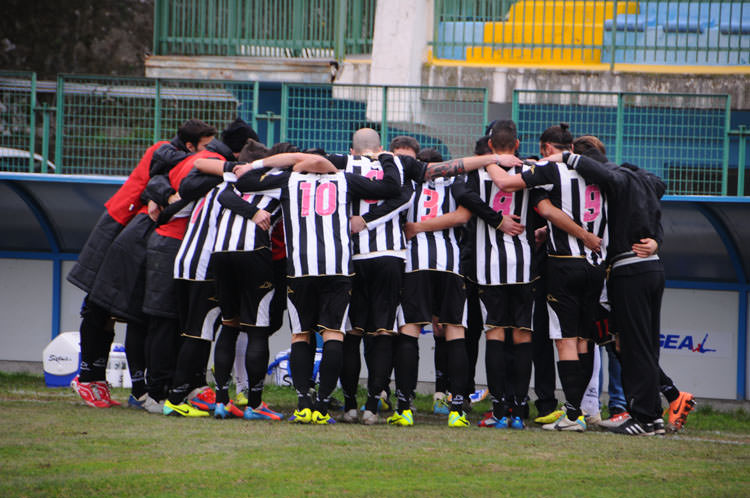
571,378
407,369
301,365
256,364
330,368
224,360
522,364
352,364
441,365
381,359
458,370
135,351
494,360
201,354
96,340
190,364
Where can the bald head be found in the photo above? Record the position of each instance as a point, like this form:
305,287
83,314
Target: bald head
366,140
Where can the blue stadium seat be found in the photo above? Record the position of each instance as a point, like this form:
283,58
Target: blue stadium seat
463,34
734,18
627,22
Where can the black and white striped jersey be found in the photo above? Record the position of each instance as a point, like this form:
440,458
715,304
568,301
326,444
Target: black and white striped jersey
584,202
383,236
315,208
436,250
192,259
236,230
501,258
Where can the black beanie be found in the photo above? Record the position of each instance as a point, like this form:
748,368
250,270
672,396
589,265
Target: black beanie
237,133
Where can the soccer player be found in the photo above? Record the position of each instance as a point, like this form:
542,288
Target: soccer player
432,283
160,298
194,277
504,271
576,212
635,285
97,329
317,228
378,253
241,261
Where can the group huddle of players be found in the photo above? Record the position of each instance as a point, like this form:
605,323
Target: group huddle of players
376,244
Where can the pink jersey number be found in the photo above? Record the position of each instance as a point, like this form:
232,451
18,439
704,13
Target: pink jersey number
325,199
305,203
502,202
377,174
592,203
430,203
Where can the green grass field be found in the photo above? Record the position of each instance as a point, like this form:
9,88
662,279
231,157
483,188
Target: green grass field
53,445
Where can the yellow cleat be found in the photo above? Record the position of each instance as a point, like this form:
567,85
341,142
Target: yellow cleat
240,399
550,418
183,410
303,416
403,419
457,419
320,419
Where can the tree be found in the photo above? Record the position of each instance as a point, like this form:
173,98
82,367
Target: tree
82,36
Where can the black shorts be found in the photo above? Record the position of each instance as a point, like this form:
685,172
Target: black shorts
509,305
428,293
376,291
320,302
199,312
244,285
573,290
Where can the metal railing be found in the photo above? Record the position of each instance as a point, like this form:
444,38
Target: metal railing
324,29
677,32
102,125
684,139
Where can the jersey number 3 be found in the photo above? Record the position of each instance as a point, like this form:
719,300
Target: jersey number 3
324,199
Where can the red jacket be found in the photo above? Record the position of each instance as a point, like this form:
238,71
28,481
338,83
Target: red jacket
126,202
176,227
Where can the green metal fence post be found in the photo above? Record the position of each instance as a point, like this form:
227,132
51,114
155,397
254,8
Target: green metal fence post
742,143
269,117
620,123
514,112
157,27
725,159
284,112
256,98
384,120
32,123
157,111
614,39
298,27
485,109
233,23
59,131
339,50
45,138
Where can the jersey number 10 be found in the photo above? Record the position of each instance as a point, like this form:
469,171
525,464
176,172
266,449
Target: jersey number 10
323,200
